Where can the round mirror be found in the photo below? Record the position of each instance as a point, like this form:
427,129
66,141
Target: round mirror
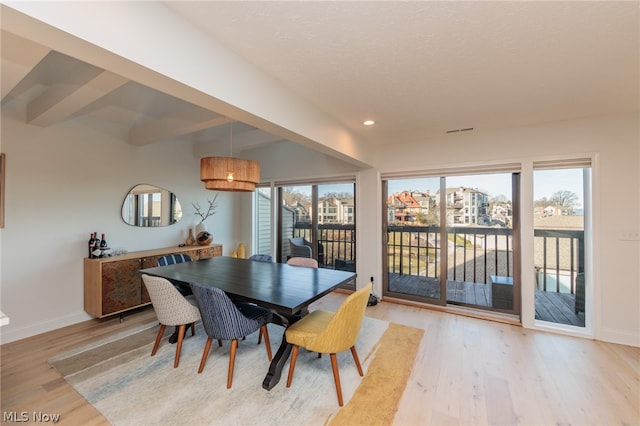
150,206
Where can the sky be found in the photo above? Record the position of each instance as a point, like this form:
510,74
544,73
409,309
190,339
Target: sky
546,182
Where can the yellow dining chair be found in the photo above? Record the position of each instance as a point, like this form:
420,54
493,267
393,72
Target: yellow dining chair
328,332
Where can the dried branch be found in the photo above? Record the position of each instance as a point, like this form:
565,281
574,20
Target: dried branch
210,211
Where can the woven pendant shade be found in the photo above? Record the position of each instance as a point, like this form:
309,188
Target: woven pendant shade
229,174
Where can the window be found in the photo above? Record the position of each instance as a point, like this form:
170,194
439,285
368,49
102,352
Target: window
263,217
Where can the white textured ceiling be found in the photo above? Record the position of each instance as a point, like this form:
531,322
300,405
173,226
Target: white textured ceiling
418,68
421,68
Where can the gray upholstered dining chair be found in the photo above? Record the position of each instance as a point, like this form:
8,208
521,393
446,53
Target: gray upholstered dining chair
261,258
172,259
172,308
224,320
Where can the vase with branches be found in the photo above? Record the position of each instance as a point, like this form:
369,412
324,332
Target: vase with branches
211,210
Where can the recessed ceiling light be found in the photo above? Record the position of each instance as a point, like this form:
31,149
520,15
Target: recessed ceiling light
368,122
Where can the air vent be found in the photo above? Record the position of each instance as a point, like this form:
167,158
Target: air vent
468,129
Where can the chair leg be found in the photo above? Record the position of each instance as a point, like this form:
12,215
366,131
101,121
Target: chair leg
193,328
205,354
220,342
267,343
292,364
181,332
336,377
232,361
158,338
260,336
357,360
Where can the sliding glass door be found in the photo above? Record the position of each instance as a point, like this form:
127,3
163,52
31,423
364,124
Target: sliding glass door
322,214
336,227
450,240
296,218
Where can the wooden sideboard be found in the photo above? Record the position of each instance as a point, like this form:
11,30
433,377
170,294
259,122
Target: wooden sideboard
113,285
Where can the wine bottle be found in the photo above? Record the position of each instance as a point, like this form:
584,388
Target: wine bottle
92,241
104,247
95,250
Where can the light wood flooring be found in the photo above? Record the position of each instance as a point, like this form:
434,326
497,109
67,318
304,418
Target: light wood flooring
468,371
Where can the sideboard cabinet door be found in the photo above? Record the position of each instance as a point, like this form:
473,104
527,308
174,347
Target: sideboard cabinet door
209,251
121,287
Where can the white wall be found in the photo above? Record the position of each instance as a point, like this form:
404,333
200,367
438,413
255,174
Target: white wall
63,183
287,160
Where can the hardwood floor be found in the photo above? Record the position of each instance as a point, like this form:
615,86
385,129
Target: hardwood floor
467,371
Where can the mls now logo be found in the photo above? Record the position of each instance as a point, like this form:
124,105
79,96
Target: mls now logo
25,416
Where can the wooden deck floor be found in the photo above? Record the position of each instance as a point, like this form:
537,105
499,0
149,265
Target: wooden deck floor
550,306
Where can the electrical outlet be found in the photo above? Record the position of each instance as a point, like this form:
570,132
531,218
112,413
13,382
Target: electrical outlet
629,236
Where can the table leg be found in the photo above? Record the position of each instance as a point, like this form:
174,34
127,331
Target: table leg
282,355
174,337
277,364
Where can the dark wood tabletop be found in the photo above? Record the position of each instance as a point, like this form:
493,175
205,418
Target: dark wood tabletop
280,287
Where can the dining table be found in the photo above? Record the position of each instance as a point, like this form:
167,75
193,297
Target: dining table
284,289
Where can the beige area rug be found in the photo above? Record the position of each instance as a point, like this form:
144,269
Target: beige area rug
129,387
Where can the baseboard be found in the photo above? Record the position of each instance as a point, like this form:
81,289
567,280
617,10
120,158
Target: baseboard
10,333
621,337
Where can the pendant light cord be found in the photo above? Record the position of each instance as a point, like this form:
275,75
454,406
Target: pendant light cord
231,139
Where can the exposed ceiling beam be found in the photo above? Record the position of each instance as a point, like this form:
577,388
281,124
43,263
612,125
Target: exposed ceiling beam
18,61
62,100
180,124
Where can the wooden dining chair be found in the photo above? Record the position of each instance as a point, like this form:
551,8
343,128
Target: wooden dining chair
328,332
224,320
172,308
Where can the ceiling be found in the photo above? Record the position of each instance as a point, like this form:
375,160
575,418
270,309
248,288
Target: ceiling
420,69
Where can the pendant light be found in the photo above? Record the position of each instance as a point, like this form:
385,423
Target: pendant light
229,173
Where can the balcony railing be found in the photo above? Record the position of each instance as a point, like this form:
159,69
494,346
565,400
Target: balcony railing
474,253
336,242
559,258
